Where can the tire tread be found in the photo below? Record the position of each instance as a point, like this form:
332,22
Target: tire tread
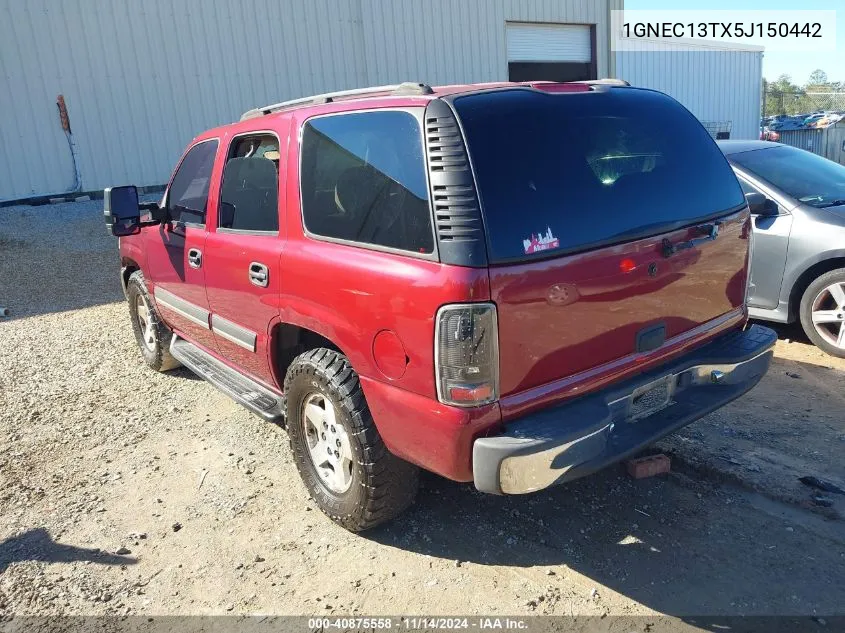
390,484
805,310
160,360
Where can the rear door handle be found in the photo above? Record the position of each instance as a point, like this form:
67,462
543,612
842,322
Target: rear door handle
195,258
258,274
710,232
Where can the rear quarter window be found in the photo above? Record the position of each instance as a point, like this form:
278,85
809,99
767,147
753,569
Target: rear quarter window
558,173
363,180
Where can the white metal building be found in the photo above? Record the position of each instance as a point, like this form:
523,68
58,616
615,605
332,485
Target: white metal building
720,86
140,78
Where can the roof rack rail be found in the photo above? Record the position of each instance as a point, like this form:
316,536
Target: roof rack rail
606,81
405,88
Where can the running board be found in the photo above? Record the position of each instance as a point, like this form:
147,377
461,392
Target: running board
255,397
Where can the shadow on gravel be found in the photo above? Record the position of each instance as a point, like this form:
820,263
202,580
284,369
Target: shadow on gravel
38,545
183,373
36,280
57,257
679,545
787,427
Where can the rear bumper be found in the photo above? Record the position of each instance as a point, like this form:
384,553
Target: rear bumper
578,438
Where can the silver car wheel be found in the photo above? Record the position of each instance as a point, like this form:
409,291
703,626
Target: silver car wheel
145,322
828,314
329,446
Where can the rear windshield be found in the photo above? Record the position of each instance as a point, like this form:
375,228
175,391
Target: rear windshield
563,172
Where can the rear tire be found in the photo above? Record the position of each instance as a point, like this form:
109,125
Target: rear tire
337,449
822,312
151,334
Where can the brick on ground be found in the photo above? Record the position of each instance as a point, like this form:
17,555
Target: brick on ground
650,466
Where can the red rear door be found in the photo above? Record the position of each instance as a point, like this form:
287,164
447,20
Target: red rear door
243,253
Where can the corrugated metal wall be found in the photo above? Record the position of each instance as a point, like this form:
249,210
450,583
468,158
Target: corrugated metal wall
142,77
828,142
715,85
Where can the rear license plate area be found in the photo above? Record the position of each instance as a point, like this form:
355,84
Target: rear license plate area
649,399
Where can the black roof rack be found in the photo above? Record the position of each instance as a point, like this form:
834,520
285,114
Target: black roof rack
406,88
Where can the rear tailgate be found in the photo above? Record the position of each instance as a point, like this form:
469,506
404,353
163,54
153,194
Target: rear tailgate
562,316
616,233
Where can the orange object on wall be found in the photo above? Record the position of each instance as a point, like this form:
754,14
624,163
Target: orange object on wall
63,117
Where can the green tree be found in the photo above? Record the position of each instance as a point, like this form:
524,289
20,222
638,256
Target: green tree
817,78
782,96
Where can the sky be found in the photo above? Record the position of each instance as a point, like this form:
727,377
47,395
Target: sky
798,65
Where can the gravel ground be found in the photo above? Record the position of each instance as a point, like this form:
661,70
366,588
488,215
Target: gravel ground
123,491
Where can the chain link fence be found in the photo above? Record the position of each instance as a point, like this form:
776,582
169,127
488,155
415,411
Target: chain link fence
790,103
719,130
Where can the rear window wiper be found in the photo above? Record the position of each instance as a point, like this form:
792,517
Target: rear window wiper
709,232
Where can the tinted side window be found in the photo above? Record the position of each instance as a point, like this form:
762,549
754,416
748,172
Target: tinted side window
249,195
188,195
363,180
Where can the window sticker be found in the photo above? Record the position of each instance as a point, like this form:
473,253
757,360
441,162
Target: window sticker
542,242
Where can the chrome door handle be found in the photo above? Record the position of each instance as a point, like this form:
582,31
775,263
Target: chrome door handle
195,258
258,274
710,232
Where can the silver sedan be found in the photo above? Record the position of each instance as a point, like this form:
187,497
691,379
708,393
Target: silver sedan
797,202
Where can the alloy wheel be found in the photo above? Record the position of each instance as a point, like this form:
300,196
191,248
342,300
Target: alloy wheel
329,446
828,314
145,322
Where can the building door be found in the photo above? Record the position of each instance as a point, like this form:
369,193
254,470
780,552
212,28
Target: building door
551,52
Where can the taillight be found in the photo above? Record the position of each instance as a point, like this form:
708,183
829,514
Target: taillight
466,354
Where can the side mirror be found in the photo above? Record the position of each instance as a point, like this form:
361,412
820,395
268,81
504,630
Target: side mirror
761,205
122,211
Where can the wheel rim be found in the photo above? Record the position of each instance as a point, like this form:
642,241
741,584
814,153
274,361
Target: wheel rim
328,443
828,314
145,323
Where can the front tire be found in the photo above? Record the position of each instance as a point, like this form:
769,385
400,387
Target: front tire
337,449
151,334
822,312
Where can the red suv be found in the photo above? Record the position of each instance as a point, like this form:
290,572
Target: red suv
510,284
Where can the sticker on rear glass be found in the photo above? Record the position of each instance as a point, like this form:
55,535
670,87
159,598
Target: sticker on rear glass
541,242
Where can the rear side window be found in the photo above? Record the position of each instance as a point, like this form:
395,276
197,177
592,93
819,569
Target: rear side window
363,180
566,172
249,195
188,195
807,177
